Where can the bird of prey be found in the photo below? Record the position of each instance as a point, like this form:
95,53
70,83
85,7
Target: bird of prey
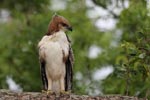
56,57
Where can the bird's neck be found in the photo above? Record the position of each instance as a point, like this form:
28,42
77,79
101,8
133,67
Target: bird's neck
59,33
57,36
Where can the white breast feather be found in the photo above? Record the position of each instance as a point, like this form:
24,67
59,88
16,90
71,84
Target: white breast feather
50,49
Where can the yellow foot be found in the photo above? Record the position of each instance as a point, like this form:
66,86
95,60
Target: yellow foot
65,92
43,91
47,92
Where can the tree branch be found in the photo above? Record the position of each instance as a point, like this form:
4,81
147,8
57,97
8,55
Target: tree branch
9,95
96,2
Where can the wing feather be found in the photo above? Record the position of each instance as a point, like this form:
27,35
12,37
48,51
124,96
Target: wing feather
69,69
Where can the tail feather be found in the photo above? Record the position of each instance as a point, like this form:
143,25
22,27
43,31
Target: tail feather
43,76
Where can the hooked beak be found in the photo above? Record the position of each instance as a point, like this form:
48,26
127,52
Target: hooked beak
69,28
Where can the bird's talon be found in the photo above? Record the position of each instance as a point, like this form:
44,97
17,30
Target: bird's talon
47,92
44,91
65,92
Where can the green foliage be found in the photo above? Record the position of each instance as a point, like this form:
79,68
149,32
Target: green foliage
134,19
135,65
132,64
19,48
25,6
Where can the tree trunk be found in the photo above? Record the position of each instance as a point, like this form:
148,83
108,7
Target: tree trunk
9,95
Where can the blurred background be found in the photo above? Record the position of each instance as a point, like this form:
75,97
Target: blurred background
110,40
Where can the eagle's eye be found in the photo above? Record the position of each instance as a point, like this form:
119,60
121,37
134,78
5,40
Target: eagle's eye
63,24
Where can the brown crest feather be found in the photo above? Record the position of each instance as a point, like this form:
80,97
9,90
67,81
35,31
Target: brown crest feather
54,24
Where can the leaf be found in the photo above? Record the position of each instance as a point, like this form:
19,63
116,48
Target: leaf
142,55
122,45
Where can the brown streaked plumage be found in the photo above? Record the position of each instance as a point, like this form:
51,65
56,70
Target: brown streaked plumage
56,56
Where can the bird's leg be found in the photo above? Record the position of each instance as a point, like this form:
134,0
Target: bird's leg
49,84
49,91
62,86
49,88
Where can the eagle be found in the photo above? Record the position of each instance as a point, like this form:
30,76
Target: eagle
56,57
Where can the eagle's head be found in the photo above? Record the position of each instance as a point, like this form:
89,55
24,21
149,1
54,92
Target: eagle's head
58,23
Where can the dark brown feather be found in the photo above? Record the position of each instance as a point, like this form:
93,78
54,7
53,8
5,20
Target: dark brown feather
69,69
43,75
